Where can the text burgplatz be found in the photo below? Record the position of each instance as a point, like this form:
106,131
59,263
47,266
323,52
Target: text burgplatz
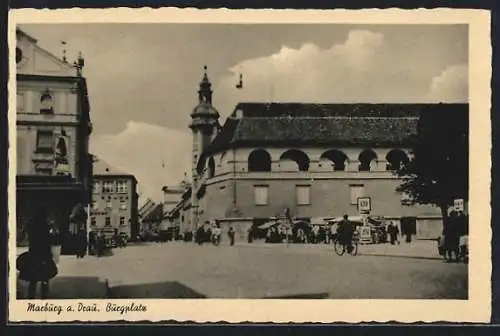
47,307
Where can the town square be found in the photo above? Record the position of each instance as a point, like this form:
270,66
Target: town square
202,162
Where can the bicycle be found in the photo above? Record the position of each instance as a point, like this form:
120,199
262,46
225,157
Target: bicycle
340,249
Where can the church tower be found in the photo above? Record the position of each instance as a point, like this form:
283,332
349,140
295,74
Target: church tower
204,127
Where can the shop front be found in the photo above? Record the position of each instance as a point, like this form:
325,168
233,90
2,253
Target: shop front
57,197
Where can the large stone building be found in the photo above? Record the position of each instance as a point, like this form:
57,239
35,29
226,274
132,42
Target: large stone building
54,168
114,201
314,159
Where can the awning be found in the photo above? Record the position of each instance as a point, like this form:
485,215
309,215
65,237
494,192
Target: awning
359,220
268,225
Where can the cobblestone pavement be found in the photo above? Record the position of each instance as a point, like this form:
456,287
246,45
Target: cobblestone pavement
178,269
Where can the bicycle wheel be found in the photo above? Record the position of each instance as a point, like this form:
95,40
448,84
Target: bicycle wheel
338,247
354,249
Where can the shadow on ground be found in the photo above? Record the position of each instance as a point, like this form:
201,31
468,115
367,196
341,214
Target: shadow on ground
301,296
398,256
158,290
61,287
106,253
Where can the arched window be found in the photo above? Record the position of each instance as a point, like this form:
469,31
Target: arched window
259,160
337,158
367,160
299,157
396,158
211,167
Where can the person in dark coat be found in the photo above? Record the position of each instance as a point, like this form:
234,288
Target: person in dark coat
78,218
451,233
345,233
37,265
231,234
200,235
393,231
250,234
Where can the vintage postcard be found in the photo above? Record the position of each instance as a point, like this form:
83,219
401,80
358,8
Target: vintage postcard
251,165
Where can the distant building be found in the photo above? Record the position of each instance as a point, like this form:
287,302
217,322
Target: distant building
151,216
314,159
171,196
54,168
114,201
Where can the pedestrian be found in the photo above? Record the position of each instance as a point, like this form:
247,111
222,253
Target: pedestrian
393,233
199,235
37,264
78,220
100,243
250,235
55,243
451,231
231,234
345,233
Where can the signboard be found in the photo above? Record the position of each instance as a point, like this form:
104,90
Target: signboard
364,204
365,234
458,204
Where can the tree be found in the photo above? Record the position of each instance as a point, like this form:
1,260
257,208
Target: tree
438,169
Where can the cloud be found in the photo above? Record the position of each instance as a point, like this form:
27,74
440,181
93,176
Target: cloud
451,85
140,150
366,67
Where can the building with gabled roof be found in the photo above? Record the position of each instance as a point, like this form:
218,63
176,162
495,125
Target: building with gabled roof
315,160
53,126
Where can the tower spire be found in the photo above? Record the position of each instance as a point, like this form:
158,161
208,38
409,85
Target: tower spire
205,91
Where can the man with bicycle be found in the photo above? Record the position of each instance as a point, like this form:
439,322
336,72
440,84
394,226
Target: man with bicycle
345,233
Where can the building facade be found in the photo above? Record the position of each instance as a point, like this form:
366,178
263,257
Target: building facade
114,205
171,196
314,159
54,168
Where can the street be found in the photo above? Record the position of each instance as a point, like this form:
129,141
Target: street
186,270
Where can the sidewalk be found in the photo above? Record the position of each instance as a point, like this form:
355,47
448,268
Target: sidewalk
65,285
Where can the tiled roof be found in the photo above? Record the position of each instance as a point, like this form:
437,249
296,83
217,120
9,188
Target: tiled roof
154,214
326,130
299,110
296,124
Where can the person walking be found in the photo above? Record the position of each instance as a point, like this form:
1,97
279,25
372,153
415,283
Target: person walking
345,233
37,264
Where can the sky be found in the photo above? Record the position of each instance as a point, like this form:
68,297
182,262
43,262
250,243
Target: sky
143,78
